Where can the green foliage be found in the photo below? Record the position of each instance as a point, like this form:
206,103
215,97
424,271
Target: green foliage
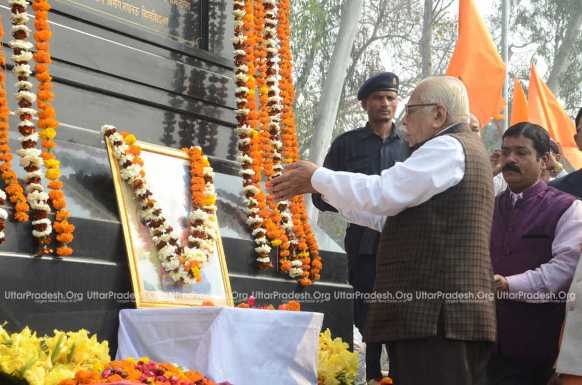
388,40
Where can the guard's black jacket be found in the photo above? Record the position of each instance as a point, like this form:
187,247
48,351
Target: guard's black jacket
362,151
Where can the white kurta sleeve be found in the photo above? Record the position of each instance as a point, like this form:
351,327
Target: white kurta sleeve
436,166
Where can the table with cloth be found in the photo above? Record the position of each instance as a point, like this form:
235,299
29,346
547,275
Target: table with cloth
242,346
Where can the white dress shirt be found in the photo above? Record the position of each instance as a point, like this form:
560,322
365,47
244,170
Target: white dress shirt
570,358
367,200
499,184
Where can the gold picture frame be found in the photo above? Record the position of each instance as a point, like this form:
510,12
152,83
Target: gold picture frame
168,175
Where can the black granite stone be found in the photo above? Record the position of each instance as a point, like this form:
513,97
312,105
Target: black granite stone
167,92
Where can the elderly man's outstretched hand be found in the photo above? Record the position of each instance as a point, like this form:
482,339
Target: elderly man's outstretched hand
296,180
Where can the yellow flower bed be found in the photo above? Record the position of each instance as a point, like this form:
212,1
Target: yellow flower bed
48,360
336,365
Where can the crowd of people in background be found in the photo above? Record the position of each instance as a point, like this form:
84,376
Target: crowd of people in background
433,212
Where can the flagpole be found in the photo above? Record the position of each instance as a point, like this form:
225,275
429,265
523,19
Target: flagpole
505,48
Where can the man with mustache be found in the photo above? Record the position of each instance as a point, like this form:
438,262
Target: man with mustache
433,268
367,150
553,168
535,245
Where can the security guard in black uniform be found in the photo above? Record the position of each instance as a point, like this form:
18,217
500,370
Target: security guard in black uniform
367,150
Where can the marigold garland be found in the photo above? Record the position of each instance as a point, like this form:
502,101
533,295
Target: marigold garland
202,219
48,124
267,135
182,264
248,144
30,155
13,188
308,243
295,267
275,232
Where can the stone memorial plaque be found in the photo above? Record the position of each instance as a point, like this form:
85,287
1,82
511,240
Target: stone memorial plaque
178,20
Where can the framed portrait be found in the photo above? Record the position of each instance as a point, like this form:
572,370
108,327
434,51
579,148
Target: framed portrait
168,175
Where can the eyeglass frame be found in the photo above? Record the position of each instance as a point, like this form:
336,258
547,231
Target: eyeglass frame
408,106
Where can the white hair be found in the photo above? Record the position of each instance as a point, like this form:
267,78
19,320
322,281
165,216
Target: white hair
449,92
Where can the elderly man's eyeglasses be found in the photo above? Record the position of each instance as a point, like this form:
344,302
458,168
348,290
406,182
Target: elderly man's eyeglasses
410,108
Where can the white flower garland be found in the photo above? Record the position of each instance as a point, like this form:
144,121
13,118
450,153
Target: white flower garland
180,263
245,134
3,216
29,154
275,107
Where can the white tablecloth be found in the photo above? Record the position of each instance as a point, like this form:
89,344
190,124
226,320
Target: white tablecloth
242,346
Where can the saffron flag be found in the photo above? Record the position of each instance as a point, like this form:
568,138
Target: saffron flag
544,109
477,63
518,104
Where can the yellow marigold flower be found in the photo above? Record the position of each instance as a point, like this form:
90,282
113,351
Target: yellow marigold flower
196,273
336,364
209,200
276,242
52,163
48,133
53,173
130,139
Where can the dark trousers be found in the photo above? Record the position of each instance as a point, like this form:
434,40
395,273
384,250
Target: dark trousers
362,275
438,361
502,370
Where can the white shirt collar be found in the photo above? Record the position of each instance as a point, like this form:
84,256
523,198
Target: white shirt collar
515,197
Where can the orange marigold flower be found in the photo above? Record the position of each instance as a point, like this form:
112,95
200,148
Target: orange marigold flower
43,35
114,378
59,204
43,77
193,376
22,207
56,185
44,95
14,188
47,155
65,238
293,306
64,251
62,215
42,56
56,194
40,6
21,216
42,45
48,144
134,150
